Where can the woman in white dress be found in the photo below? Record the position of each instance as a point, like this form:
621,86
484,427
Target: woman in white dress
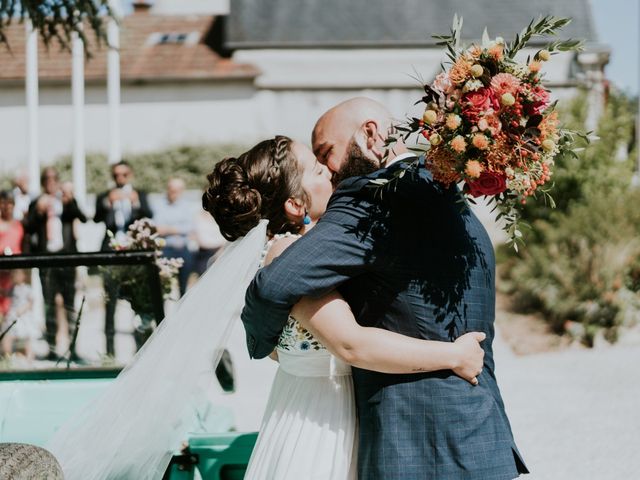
309,428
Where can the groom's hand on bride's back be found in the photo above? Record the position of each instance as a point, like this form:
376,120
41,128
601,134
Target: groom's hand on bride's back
471,356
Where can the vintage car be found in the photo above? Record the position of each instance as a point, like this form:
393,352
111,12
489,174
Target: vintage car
37,396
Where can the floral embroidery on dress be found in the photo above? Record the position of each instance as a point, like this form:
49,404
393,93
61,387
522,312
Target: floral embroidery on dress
294,338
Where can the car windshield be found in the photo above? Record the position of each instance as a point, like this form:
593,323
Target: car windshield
77,312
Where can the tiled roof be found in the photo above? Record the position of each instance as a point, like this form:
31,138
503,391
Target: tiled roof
384,23
143,56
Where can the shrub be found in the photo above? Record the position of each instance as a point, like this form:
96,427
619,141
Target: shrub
191,163
582,259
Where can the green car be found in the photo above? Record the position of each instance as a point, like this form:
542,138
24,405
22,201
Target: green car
38,395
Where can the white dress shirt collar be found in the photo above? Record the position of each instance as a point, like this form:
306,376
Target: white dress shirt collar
402,156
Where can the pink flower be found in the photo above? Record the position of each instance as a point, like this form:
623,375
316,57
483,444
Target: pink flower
442,83
493,124
505,83
478,102
540,101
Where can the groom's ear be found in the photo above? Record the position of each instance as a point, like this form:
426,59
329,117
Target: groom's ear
370,128
294,209
373,136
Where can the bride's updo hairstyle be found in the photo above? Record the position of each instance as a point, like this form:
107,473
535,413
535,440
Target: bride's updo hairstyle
254,186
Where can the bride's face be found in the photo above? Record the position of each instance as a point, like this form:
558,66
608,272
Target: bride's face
316,180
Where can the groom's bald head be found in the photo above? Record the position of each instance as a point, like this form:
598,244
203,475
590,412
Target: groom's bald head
351,136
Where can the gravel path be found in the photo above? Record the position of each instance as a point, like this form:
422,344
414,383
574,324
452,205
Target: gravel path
575,414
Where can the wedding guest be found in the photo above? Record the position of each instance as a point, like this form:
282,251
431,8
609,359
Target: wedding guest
118,208
122,205
209,240
11,230
175,225
11,239
21,195
20,318
51,224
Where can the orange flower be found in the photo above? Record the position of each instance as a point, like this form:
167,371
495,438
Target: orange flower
480,141
496,51
460,71
441,163
475,51
458,144
535,66
548,126
473,168
499,153
453,121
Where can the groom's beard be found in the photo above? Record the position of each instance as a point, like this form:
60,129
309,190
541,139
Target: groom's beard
357,164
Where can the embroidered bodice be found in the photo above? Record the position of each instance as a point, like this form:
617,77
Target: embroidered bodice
294,338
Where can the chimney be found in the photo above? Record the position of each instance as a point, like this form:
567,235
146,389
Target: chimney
142,6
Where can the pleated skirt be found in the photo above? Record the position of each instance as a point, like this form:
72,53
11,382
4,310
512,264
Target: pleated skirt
309,429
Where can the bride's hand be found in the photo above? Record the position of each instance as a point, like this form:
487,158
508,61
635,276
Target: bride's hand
470,356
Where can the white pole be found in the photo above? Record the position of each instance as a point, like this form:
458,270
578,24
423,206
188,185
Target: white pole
77,93
113,91
638,115
31,87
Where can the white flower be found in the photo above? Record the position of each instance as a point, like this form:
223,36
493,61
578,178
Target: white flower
472,86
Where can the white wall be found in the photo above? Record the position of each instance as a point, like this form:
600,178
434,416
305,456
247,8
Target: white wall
295,88
183,7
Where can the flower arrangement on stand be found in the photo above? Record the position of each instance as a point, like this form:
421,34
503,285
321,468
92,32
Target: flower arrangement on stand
489,124
142,235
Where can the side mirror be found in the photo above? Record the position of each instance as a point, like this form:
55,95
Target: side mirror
225,373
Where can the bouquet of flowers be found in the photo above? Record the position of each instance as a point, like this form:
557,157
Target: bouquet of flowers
143,235
489,123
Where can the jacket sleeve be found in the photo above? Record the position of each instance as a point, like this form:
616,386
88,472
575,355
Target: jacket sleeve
330,254
101,209
71,211
144,210
33,218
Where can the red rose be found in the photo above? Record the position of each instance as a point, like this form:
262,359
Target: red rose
476,102
488,183
540,101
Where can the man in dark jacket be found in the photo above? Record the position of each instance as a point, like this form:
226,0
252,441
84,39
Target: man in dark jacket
50,224
411,259
118,208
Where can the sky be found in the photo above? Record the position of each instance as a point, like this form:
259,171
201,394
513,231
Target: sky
617,24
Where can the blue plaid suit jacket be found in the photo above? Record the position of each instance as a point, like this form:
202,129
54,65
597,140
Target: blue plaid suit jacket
413,259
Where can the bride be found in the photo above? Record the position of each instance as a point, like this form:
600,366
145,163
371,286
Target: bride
262,200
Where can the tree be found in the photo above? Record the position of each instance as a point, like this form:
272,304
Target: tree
57,20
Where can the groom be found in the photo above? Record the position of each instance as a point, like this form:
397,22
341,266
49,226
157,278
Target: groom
410,258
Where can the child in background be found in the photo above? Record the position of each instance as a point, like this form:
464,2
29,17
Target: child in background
25,329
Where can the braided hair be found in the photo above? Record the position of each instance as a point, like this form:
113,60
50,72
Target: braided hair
253,186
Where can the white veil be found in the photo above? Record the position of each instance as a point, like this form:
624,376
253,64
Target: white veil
132,428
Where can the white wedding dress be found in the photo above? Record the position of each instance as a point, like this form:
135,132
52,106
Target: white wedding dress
133,429
309,429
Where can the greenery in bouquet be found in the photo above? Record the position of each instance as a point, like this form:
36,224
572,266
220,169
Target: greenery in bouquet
489,124
132,280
